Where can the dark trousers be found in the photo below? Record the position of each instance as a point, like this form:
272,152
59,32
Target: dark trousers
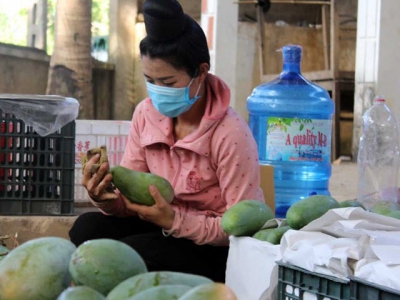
159,252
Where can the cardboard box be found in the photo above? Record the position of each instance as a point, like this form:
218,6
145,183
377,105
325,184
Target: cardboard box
267,184
95,133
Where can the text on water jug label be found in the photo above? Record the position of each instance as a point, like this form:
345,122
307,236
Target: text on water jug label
296,139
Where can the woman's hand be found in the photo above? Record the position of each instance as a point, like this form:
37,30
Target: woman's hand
160,213
98,184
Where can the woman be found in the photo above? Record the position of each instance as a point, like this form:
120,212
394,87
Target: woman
187,133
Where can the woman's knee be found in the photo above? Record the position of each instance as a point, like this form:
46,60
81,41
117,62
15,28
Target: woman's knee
84,228
95,225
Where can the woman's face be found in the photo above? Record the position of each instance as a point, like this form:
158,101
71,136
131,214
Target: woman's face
160,72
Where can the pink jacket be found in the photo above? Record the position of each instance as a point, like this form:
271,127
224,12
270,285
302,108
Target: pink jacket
210,170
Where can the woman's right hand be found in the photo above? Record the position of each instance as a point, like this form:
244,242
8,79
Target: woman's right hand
98,184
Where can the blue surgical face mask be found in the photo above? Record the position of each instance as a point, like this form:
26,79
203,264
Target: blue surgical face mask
169,101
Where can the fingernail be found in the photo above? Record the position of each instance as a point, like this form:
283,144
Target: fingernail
152,188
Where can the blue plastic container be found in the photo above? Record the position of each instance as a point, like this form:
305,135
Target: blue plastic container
291,120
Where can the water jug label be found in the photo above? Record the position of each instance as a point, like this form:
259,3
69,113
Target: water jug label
295,139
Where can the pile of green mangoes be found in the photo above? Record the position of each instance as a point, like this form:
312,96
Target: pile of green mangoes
248,217
53,268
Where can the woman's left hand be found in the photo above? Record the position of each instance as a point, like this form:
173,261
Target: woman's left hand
160,213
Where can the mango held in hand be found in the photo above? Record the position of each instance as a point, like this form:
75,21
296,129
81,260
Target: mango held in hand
246,217
135,185
308,209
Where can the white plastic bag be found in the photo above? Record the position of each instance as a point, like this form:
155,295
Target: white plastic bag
251,271
250,266
45,113
347,242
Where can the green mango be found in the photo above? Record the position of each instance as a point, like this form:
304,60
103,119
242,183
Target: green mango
246,217
308,209
162,292
351,203
210,291
262,234
135,185
384,207
103,263
394,214
36,270
144,281
271,235
80,293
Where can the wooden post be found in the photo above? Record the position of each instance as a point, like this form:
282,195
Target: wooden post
267,185
325,36
334,37
261,31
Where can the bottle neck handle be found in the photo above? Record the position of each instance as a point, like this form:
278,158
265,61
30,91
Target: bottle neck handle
292,67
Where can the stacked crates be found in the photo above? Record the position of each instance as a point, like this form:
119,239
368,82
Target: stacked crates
36,173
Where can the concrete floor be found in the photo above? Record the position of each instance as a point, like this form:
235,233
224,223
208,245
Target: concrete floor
343,186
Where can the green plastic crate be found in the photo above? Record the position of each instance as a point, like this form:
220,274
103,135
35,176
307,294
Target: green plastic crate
365,290
295,283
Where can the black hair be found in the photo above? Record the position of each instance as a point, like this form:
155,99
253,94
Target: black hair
174,36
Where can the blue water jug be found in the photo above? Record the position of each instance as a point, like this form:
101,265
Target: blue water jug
291,120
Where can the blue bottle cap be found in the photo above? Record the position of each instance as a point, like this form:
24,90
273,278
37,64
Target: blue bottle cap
291,53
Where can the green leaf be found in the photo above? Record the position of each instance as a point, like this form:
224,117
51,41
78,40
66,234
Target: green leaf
287,121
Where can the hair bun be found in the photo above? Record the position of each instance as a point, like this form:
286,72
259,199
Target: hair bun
164,19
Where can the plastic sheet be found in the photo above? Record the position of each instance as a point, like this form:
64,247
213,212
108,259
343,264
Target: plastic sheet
45,113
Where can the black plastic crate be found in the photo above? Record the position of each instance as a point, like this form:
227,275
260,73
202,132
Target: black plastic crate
295,283
36,173
365,290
